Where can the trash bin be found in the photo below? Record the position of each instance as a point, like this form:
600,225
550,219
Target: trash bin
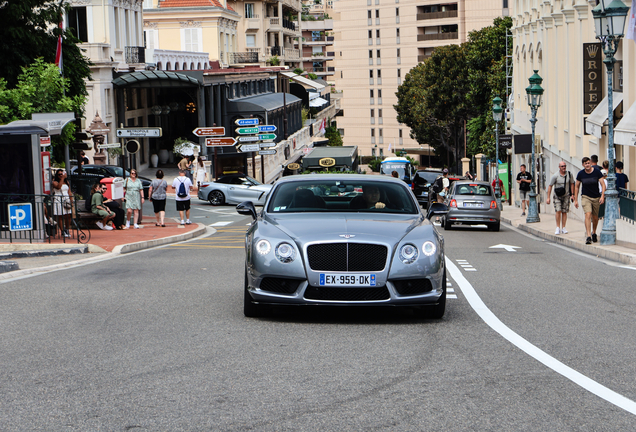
115,186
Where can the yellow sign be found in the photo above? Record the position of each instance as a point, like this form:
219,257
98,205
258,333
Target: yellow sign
327,162
293,166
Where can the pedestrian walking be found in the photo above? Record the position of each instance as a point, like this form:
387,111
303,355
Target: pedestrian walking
182,185
563,184
157,194
445,184
134,191
62,202
621,178
588,181
524,179
200,172
502,190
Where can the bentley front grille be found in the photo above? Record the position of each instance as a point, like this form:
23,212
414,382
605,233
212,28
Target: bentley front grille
347,257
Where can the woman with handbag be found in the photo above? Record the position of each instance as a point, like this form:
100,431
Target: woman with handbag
62,202
134,190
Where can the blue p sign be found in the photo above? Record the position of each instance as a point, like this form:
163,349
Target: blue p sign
20,217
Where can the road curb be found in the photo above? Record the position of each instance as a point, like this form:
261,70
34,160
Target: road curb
147,244
598,251
44,252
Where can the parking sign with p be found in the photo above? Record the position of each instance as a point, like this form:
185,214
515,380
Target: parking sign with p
20,217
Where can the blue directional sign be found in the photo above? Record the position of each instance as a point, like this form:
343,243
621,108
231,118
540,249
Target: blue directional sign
246,122
20,217
266,128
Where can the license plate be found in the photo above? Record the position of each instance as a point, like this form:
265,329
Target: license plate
347,279
479,205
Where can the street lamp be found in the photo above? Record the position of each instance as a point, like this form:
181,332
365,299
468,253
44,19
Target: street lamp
497,113
609,22
376,152
534,91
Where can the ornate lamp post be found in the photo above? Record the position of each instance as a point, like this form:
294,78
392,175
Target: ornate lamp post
534,91
497,113
609,21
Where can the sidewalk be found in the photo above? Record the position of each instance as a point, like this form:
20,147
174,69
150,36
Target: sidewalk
575,238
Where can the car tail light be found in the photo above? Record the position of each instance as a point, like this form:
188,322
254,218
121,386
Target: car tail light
493,204
413,186
453,203
205,185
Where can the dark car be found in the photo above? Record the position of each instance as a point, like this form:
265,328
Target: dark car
94,173
452,178
422,182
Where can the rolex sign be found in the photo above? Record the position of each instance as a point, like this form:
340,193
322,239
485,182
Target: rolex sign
327,162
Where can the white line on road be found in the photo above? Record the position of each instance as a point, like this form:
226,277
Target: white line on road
220,223
576,377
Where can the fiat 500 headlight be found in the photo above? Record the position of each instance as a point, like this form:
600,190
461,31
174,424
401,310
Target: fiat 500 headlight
428,248
408,253
263,247
285,253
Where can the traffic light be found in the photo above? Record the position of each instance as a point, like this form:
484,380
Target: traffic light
79,143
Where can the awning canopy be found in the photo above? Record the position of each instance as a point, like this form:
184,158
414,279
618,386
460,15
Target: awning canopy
155,79
625,132
317,102
260,103
343,156
594,123
303,80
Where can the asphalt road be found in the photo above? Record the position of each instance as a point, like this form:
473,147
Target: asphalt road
157,340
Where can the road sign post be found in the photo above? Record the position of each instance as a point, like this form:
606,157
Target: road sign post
247,130
246,122
267,152
209,131
140,132
267,144
225,141
20,217
244,148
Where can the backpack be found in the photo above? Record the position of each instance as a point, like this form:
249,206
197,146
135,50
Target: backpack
181,193
438,185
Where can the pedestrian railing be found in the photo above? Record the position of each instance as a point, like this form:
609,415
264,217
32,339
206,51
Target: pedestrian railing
627,203
47,220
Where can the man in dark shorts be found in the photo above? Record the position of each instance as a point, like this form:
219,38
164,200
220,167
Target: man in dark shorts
588,181
183,203
524,179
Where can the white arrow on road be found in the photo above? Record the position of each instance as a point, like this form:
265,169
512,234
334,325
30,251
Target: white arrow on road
506,247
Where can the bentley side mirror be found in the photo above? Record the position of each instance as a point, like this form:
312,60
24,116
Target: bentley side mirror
436,209
246,208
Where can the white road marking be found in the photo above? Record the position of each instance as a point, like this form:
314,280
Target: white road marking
576,377
509,248
220,223
451,296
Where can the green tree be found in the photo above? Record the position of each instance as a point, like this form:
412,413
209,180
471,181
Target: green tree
335,140
40,89
29,30
486,60
432,99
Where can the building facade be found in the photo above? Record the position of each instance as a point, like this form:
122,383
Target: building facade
318,39
377,42
558,40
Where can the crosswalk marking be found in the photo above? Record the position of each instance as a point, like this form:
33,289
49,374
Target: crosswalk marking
220,223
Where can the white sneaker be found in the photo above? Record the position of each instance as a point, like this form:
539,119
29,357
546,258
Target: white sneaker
108,227
564,231
100,225
557,232
127,224
188,222
136,226
182,222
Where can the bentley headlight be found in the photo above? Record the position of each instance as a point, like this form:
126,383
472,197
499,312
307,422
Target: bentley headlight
428,248
285,253
263,247
408,253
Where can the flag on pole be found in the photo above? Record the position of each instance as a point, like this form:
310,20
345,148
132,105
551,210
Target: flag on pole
631,27
58,52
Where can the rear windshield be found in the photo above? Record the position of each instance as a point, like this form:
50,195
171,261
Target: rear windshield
337,196
427,176
472,189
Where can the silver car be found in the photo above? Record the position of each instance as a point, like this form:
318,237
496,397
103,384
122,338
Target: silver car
234,189
472,203
343,239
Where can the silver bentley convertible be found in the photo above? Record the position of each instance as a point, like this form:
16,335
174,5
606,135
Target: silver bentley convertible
343,239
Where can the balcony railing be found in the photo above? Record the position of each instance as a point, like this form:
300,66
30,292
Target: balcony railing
436,15
437,36
242,57
135,55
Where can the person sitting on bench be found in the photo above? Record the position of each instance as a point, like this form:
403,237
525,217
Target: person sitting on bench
99,208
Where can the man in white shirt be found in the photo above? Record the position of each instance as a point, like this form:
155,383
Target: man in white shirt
183,196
